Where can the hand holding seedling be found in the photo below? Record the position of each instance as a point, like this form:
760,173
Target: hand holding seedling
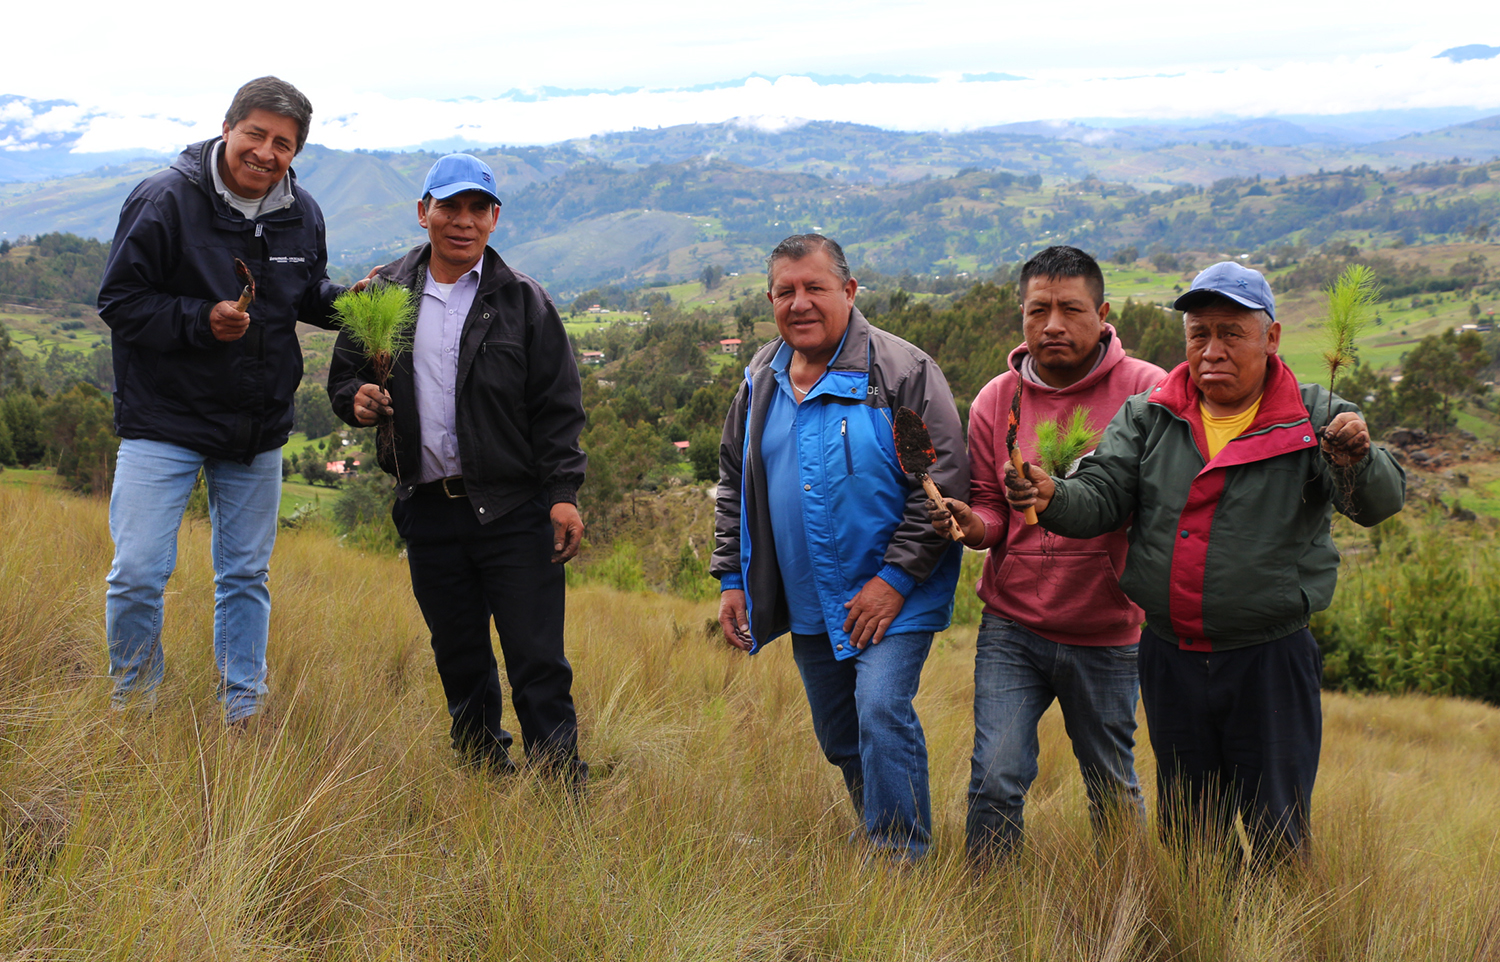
370,402
871,612
734,619
1033,491
951,511
1346,440
227,322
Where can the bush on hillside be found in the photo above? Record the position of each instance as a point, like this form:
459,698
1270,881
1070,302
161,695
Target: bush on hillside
1423,615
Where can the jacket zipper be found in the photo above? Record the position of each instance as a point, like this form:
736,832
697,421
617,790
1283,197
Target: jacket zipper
848,457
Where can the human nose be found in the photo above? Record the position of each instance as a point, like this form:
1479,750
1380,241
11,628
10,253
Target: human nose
800,301
1214,349
1054,323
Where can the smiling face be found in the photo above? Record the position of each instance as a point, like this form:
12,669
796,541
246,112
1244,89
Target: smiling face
459,228
1228,349
811,304
258,151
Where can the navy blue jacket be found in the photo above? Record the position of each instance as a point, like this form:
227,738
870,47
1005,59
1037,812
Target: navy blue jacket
519,406
171,261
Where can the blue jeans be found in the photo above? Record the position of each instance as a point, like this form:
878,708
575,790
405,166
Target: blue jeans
153,480
866,725
1017,674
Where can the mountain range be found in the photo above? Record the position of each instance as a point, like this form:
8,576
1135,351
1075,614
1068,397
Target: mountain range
646,206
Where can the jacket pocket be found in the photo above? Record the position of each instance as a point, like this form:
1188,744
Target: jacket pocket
1075,592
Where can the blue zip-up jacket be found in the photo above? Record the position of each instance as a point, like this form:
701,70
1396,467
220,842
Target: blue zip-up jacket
862,514
172,260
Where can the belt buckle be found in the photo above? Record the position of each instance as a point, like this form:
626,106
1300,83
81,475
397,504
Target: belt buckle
449,494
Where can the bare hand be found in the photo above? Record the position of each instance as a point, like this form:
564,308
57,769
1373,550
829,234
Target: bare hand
567,532
734,618
370,402
971,523
364,282
871,612
227,322
1346,439
1035,491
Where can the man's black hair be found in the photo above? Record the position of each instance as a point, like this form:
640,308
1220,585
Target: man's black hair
798,246
1062,261
275,95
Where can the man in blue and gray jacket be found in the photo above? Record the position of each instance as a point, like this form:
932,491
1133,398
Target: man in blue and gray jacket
821,533
202,385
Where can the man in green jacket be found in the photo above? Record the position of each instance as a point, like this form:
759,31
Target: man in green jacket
1231,470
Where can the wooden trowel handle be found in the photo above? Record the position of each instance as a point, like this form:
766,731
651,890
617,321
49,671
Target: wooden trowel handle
245,298
1015,460
954,531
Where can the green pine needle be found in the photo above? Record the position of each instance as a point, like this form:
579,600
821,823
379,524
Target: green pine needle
1058,445
1351,302
379,319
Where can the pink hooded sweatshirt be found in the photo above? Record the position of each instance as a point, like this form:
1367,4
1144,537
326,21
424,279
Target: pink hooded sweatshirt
1065,590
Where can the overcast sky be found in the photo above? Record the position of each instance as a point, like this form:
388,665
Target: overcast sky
160,75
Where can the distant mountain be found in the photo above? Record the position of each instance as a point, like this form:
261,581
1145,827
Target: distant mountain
660,205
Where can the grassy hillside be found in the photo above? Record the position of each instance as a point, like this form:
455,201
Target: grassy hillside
339,828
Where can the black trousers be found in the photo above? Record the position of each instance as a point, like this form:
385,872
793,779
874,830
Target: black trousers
464,573
1235,731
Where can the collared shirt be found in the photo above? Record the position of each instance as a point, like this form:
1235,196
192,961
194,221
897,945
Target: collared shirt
778,449
434,361
279,196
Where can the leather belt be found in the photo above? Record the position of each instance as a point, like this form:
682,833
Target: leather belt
444,487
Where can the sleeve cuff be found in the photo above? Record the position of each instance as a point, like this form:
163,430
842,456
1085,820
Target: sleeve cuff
731,581
562,494
993,526
897,578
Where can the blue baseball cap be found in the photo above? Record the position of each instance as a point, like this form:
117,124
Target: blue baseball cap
1244,286
457,173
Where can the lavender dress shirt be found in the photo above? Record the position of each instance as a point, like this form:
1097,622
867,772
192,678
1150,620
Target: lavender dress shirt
434,358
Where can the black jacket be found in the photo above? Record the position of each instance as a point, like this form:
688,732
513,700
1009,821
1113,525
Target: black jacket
519,407
171,261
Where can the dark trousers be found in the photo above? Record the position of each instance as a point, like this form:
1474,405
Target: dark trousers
463,573
1235,731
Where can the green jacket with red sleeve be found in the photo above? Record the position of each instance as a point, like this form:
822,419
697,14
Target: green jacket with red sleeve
1233,551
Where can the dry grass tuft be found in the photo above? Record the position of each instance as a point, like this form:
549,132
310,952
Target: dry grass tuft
339,828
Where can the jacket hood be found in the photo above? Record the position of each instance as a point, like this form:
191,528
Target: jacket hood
1114,353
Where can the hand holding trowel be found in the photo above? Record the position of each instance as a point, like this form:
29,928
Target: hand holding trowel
915,452
1010,443
227,320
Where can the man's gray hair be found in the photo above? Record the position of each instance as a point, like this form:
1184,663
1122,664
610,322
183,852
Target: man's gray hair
278,97
798,246
1224,304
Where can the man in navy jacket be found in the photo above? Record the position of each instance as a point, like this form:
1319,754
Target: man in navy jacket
202,385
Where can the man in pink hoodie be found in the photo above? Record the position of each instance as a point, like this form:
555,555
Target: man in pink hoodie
1055,625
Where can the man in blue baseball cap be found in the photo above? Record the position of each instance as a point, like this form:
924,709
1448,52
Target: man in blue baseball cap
487,410
1231,470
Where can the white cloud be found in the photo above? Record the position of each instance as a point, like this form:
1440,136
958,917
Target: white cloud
348,118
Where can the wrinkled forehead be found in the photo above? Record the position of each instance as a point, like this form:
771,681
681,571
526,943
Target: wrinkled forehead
1223,313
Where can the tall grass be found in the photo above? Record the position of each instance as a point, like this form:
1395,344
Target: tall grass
339,827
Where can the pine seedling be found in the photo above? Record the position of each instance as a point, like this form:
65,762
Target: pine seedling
380,320
1060,443
1351,303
